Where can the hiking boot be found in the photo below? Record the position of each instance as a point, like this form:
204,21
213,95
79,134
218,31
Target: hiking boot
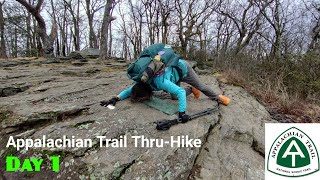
195,92
223,100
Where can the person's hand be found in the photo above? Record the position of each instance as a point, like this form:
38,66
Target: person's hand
112,101
183,117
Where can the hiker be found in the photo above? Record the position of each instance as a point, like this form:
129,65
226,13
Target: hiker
158,77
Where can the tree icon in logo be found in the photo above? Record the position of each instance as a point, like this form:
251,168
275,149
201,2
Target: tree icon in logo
293,154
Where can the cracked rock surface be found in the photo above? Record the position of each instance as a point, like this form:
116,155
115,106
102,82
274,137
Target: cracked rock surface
63,100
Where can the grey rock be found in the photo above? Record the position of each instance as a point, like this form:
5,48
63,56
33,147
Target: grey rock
63,99
9,63
64,58
76,55
202,71
52,61
26,134
12,89
79,62
90,53
236,145
86,53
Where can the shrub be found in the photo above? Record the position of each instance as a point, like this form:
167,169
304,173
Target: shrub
290,85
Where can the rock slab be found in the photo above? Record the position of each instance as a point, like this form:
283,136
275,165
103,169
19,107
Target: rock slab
62,99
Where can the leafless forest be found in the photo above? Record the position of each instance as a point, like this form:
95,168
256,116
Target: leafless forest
271,45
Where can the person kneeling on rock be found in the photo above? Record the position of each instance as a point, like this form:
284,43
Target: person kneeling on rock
168,79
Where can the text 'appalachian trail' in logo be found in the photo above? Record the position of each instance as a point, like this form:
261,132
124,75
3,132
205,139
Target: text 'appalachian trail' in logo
293,153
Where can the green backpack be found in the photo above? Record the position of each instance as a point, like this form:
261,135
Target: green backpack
167,56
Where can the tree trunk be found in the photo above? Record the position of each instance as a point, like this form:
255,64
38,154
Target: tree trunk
110,37
39,46
149,14
107,18
3,53
90,19
91,41
276,47
29,37
92,36
181,35
71,39
64,31
164,14
77,30
164,31
58,46
90,11
276,53
125,48
139,38
75,13
35,33
15,42
35,11
11,44
110,42
75,19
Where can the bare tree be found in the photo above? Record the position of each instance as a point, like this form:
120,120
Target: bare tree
151,16
110,31
137,14
127,35
225,32
166,7
63,21
132,29
314,45
198,27
191,16
107,18
47,41
91,7
20,20
53,15
31,44
278,19
247,18
74,10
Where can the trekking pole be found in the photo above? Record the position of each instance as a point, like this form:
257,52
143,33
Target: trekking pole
166,124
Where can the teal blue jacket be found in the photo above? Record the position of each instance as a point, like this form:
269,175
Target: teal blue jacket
167,82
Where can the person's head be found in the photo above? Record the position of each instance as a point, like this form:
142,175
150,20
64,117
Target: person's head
141,92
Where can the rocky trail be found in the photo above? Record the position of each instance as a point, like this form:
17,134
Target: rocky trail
39,98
